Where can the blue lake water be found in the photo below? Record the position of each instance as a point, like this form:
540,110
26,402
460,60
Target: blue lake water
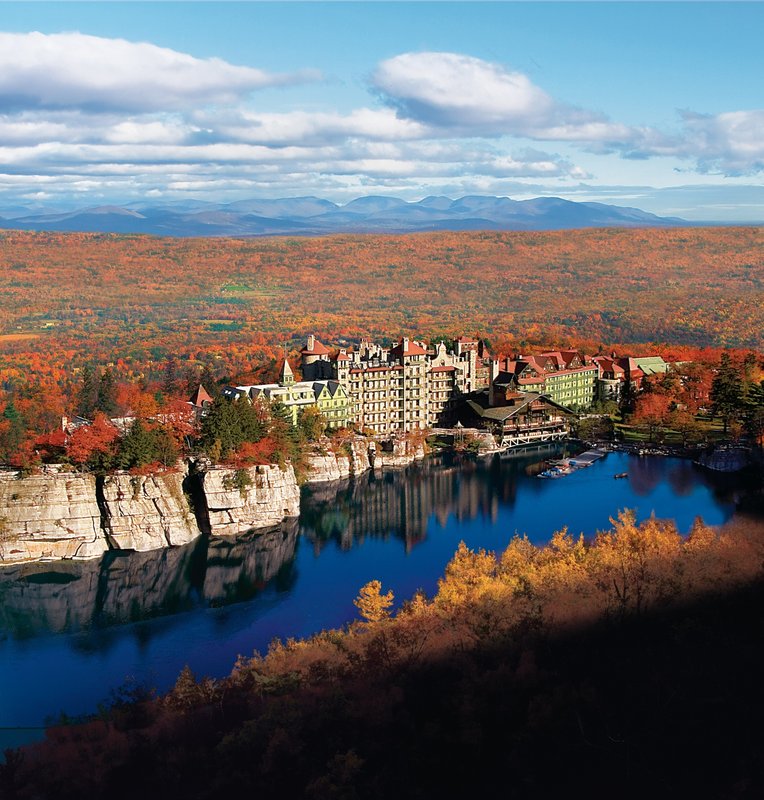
71,633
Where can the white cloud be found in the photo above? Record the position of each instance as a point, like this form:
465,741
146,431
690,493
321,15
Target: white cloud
454,90
731,143
469,96
311,127
75,70
121,120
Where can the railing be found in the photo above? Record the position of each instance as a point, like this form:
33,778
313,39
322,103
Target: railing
531,434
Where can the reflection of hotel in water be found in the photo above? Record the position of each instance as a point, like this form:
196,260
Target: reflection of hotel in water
401,504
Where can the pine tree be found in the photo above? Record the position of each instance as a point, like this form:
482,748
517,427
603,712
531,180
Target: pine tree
170,384
12,431
87,398
142,446
106,396
726,392
228,425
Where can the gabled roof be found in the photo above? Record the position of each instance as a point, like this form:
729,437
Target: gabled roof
651,364
331,387
503,413
235,392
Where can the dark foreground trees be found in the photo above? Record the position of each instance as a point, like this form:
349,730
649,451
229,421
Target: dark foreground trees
566,670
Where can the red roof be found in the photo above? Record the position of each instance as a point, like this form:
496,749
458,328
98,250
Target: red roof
318,349
413,349
200,397
443,369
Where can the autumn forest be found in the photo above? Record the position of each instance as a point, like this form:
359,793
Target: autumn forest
133,301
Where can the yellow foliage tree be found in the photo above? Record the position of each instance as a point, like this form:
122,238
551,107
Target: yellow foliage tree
372,604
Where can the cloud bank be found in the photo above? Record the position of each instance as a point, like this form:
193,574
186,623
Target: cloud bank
74,70
114,119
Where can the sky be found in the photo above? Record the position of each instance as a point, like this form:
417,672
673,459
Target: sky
654,105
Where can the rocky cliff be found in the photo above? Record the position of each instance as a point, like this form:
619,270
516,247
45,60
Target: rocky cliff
399,453
242,500
145,512
61,515
49,516
352,459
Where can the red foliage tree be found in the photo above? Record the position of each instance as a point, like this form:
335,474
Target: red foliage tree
95,440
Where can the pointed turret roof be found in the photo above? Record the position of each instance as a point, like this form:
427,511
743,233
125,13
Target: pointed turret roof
200,397
286,375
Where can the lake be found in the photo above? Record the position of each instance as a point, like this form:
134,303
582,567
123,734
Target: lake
71,633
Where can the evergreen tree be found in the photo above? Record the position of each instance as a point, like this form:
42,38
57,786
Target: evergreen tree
726,392
144,445
171,381
12,431
209,381
754,417
106,396
228,425
136,448
87,398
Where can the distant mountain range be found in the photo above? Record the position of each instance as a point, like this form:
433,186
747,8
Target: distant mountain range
312,216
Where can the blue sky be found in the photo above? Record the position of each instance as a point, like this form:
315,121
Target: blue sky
655,105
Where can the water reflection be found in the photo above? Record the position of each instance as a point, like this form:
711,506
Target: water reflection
446,498
124,587
400,504
146,615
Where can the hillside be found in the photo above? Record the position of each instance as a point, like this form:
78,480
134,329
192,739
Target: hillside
136,300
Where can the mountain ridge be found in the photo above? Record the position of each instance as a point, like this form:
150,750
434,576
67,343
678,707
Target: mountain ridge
314,216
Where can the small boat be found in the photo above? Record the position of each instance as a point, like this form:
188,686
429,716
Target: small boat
621,475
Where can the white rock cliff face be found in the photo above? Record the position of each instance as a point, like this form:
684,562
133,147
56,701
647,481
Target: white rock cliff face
69,516
403,453
145,512
49,517
325,464
267,495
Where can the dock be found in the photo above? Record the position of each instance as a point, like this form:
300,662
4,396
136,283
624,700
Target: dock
559,469
587,458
